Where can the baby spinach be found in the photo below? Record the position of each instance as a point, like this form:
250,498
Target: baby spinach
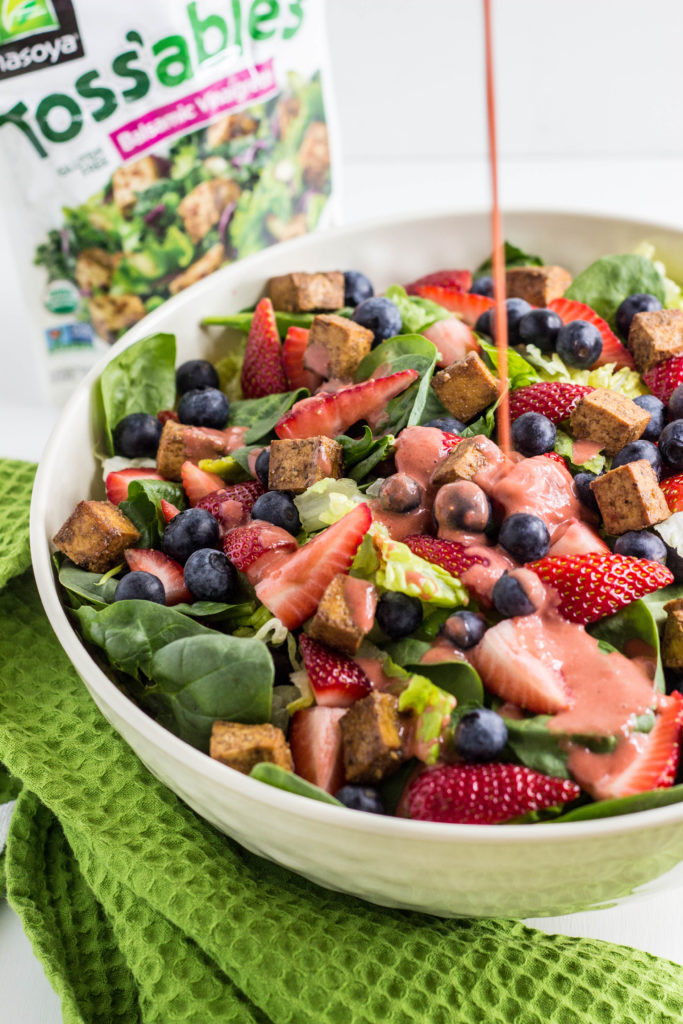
606,283
534,745
261,414
139,379
455,677
362,454
87,586
623,805
283,696
513,257
273,775
417,313
520,373
486,424
404,352
634,622
143,508
242,321
655,602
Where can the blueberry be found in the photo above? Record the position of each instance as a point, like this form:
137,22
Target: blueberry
516,309
579,343
484,323
533,434
137,435
189,531
379,315
204,407
540,327
674,562
447,424
462,505
361,798
195,373
482,286
357,288
641,544
637,450
671,444
140,586
675,403
480,735
400,493
464,629
210,576
640,302
510,598
277,507
525,537
262,466
583,483
398,615
657,412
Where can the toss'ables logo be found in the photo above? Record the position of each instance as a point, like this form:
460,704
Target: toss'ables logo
35,34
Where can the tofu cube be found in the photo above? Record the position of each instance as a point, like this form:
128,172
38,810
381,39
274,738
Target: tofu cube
538,285
466,387
467,459
94,269
205,265
306,293
297,463
314,155
181,443
630,498
609,419
336,346
371,738
656,336
111,315
243,746
130,179
202,207
672,643
345,614
230,127
95,535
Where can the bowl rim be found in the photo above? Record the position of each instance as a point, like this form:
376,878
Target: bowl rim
212,771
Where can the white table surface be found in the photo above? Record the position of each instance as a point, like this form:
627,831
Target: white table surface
643,188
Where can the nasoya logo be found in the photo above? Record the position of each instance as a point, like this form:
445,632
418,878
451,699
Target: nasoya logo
45,30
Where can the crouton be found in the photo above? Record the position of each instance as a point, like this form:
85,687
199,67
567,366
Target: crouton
111,315
94,268
205,265
95,535
314,155
336,346
345,614
656,336
202,207
466,460
672,643
130,179
305,293
230,127
243,746
466,387
371,738
182,443
287,111
630,498
538,285
285,230
609,419
297,463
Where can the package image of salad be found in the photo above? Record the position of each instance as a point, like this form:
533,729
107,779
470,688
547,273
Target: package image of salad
149,147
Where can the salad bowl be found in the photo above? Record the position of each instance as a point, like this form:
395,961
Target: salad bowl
443,869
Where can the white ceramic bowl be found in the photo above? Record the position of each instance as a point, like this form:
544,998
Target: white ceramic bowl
505,870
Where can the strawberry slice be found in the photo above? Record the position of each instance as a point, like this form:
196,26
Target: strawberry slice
556,457
168,414
453,338
664,378
254,549
458,280
332,414
672,488
292,591
337,681
451,555
316,743
468,307
262,369
197,483
553,399
232,505
164,568
483,794
612,349
117,483
293,349
593,586
168,510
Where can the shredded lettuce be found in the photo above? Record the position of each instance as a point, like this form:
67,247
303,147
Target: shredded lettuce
671,531
417,313
672,291
391,565
564,445
432,708
326,501
550,367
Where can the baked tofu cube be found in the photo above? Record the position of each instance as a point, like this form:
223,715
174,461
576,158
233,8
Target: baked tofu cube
286,112
230,127
672,644
538,285
130,179
95,535
630,498
371,738
609,419
336,346
182,443
111,315
466,387
656,336
298,463
345,614
205,265
314,155
285,230
306,293
243,746
94,269
467,459
201,208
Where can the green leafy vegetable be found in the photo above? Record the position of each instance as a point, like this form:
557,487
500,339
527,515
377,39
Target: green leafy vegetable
417,313
655,602
455,677
87,586
624,805
550,367
273,775
404,352
606,283
261,414
432,708
326,501
242,321
361,455
564,445
520,372
513,256
139,379
227,467
635,622
486,424
535,746
391,565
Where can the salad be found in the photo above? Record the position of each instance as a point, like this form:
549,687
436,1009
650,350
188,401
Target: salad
317,564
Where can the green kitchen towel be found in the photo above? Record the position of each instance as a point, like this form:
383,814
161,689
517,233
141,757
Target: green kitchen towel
141,912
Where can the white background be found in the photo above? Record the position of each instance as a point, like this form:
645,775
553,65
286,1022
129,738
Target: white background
590,114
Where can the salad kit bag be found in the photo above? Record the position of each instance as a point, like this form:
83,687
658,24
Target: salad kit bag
146,145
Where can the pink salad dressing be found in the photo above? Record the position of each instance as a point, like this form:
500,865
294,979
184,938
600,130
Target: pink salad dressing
206,443
317,359
584,451
453,339
361,600
596,772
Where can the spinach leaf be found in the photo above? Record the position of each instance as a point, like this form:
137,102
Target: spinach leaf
532,743
624,805
656,601
417,314
242,321
273,775
520,373
514,257
362,454
232,613
87,586
486,424
634,622
143,508
455,677
283,696
391,788
433,408
139,379
404,352
199,679
261,414
606,283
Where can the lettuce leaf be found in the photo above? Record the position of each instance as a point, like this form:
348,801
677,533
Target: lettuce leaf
514,257
417,313
432,709
551,367
672,291
326,501
564,445
520,372
391,565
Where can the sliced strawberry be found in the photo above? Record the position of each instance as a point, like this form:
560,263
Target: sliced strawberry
262,369
556,457
293,350
332,414
593,586
164,568
337,681
468,307
255,548
293,590
168,510
612,349
453,339
451,555
232,505
117,483
197,483
168,414
316,742
553,399
664,378
483,794
573,537
673,492
458,280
